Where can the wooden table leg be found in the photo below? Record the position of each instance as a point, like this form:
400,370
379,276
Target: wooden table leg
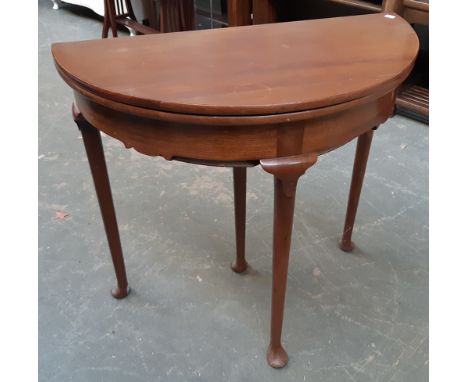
97,164
359,170
240,189
287,172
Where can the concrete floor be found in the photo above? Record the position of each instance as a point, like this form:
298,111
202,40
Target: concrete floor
349,317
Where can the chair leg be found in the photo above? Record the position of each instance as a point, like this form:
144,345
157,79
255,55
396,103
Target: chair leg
286,172
359,170
240,188
105,23
97,164
112,17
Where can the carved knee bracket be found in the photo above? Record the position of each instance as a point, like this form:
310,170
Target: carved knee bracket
288,169
80,121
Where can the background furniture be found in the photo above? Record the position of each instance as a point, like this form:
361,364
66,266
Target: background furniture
121,12
413,99
279,107
161,15
176,15
413,11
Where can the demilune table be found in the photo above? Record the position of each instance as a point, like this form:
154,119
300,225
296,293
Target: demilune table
278,95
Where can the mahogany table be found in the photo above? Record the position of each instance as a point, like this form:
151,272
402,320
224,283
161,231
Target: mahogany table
293,91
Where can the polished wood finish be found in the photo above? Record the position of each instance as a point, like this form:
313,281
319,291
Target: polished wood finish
365,63
233,139
295,91
414,11
359,170
395,6
137,27
97,163
286,171
240,190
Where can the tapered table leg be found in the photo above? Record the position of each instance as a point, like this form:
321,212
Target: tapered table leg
240,189
287,172
359,170
97,164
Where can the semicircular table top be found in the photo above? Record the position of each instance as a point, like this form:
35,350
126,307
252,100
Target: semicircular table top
253,70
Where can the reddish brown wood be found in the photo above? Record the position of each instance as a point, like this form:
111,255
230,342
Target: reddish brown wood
263,12
414,11
352,63
286,171
106,22
240,189
168,95
121,12
239,12
137,27
112,15
177,15
395,6
414,99
97,163
359,170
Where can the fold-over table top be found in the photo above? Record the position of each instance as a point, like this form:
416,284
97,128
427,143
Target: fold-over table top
253,70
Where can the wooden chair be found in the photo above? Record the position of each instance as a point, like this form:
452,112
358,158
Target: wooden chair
172,16
121,12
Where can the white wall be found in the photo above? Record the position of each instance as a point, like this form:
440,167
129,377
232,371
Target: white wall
98,6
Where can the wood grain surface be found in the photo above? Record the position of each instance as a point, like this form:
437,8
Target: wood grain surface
252,70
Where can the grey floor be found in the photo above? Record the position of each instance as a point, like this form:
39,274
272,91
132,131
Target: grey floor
349,317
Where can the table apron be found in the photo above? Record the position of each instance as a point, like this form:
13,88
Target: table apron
319,133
